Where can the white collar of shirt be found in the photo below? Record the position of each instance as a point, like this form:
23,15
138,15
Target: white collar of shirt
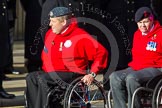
64,30
144,34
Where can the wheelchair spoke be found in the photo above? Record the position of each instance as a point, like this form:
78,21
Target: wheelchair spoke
79,96
94,96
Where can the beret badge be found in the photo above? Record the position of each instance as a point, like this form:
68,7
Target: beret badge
51,14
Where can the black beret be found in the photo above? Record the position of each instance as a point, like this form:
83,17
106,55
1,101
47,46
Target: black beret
59,11
143,12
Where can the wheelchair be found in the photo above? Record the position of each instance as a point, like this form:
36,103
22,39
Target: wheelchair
157,96
79,95
150,94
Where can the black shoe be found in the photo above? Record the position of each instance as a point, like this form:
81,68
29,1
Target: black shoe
5,95
16,72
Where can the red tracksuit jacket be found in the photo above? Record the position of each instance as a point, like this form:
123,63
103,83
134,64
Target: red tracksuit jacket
71,51
147,50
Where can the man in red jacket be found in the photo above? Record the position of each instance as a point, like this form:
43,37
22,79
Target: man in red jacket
66,55
146,60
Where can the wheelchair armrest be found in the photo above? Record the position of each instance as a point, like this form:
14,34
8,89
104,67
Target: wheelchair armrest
152,82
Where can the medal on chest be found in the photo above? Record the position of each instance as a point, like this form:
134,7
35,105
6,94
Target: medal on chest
61,44
151,46
154,37
66,44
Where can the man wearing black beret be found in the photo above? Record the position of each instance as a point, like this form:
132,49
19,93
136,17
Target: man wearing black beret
66,54
146,60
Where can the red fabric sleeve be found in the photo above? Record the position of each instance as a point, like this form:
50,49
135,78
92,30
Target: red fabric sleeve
96,53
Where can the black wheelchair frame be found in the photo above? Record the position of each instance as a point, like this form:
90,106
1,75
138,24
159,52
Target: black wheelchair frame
157,96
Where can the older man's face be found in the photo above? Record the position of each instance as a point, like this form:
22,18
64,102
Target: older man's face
57,25
145,25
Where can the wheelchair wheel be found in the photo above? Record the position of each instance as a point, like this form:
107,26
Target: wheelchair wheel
157,96
79,95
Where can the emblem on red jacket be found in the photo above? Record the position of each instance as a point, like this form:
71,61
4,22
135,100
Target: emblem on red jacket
151,46
154,37
67,43
45,49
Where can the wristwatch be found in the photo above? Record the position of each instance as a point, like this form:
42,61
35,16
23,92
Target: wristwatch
93,74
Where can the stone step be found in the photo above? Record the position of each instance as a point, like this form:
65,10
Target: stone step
15,86
17,101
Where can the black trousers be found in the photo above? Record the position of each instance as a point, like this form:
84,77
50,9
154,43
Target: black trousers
39,85
1,78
